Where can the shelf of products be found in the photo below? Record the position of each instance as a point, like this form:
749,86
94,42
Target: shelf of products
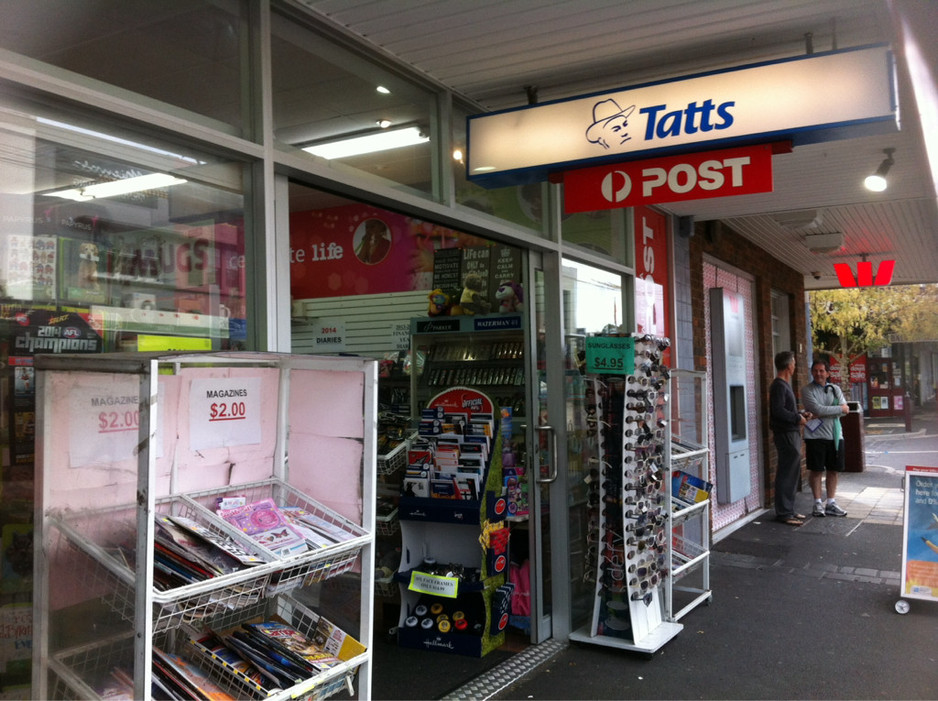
171,514
629,547
483,354
454,537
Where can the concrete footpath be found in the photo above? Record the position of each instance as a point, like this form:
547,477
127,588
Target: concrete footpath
797,612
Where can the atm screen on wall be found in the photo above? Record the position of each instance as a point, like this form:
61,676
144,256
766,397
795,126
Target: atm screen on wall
737,412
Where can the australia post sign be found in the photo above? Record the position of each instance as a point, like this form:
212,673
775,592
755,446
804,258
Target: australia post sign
738,171
805,99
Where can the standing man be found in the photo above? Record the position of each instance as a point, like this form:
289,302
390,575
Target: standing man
823,444
786,422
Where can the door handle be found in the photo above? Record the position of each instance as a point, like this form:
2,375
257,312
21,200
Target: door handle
552,474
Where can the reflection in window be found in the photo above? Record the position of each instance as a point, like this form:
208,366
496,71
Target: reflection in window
349,110
592,298
524,205
186,53
600,232
109,242
360,273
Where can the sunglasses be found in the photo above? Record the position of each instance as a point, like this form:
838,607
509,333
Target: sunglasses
643,570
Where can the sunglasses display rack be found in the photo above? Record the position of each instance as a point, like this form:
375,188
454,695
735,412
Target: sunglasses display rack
629,548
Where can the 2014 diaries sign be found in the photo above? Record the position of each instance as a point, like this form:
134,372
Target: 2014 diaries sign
920,534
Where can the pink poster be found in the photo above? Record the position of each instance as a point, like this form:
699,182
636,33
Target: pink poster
359,250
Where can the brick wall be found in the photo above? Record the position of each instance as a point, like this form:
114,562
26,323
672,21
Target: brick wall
719,241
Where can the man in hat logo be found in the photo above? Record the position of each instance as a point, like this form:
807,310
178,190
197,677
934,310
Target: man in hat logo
610,124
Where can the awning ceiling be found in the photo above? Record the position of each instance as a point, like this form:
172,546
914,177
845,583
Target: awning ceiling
490,51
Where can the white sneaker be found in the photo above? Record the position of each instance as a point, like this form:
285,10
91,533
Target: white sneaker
834,510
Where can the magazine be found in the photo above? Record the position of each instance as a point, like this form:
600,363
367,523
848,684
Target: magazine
189,674
188,545
263,521
226,544
321,525
292,642
212,648
277,674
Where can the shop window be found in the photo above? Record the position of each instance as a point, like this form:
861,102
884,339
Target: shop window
349,110
781,328
524,205
360,273
187,53
600,232
112,241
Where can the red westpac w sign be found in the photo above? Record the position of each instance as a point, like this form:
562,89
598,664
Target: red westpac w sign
694,176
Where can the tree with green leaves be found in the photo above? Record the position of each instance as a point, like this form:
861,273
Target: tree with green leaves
849,322
920,320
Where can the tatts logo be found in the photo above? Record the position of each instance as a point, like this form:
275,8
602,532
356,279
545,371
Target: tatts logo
611,128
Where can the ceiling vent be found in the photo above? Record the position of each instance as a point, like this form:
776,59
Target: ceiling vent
806,219
824,243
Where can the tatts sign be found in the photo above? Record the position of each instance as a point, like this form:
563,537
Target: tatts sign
694,176
804,99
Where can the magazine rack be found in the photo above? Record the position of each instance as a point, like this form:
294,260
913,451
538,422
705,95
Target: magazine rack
127,440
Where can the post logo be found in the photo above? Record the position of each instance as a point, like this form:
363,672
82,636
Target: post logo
616,186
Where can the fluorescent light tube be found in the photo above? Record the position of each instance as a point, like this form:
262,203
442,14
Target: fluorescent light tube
117,140
114,188
370,143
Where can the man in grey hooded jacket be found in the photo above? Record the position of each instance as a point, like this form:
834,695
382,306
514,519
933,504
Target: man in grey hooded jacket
823,437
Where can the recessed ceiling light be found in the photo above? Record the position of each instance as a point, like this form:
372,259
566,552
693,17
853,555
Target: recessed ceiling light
383,123
383,90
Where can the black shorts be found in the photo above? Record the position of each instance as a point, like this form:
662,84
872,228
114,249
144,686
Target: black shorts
820,454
